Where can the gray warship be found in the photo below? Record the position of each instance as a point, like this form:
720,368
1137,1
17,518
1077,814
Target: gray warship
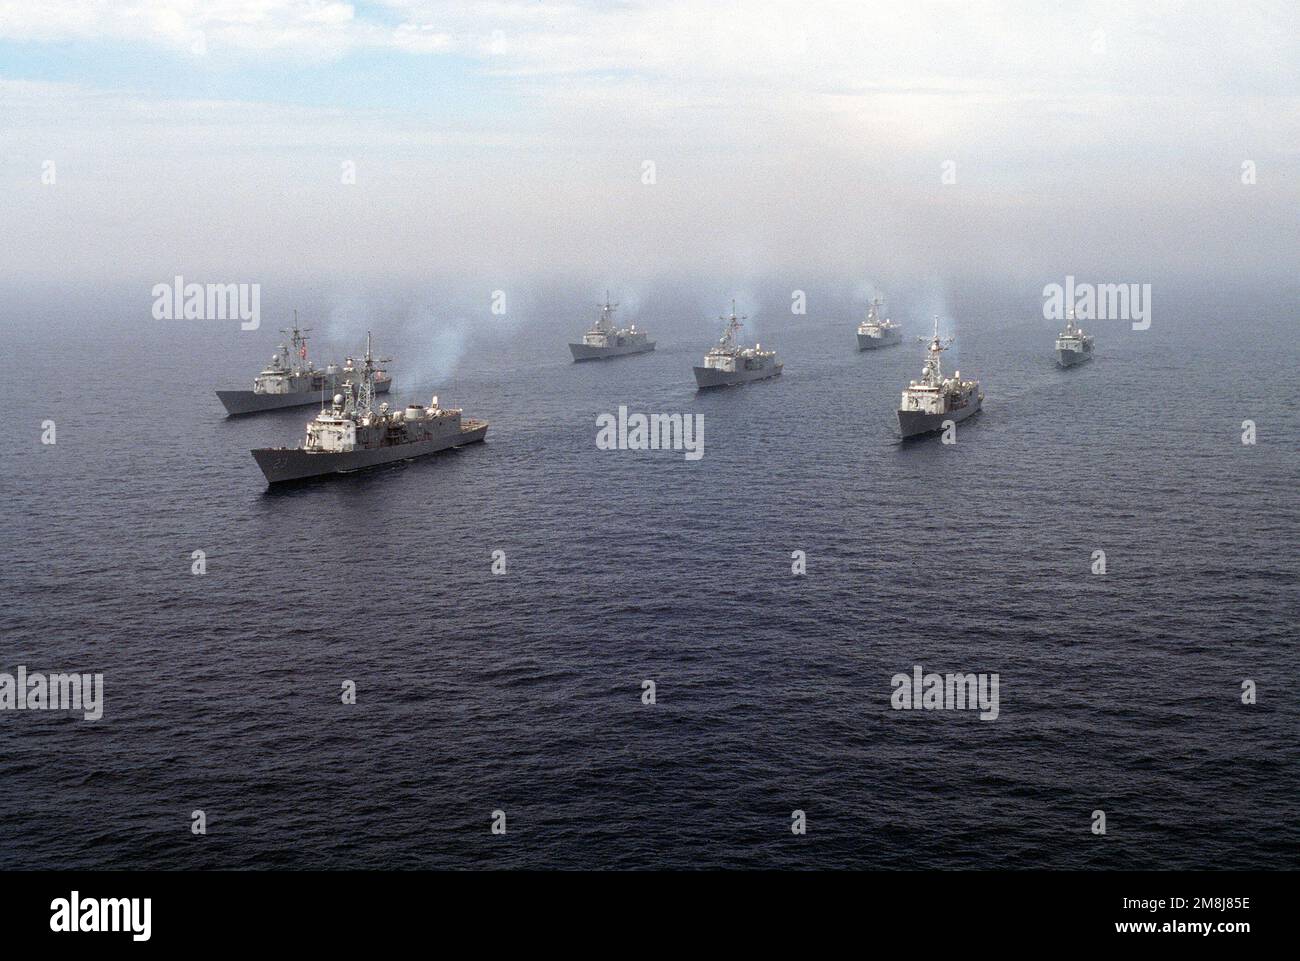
604,340
933,399
728,363
350,434
1073,346
874,332
290,380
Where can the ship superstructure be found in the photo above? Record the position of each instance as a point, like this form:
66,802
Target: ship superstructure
876,331
933,399
728,363
604,339
1073,346
350,433
291,380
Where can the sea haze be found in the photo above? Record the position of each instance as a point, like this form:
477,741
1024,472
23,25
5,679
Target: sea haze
521,692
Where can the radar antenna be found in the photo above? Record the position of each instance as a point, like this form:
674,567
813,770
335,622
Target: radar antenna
296,338
606,321
733,325
366,389
933,372
935,342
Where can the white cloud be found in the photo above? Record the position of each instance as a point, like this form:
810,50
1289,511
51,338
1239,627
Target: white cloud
780,131
833,44
316,28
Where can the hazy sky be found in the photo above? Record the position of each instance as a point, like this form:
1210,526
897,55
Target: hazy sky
210,138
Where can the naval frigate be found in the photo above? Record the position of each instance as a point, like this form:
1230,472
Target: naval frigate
1073,346
874,332
933,399
728,363
604,340
351,434
291,380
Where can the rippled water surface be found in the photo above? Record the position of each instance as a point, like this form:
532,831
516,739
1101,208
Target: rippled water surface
522,692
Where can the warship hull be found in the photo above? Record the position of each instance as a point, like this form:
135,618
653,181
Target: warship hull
281,464
914,423
1073,358
583,352
707,377
867,342
238,402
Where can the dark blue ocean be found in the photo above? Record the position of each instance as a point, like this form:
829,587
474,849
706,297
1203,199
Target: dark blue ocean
521,692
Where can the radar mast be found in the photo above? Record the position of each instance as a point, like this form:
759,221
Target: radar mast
297,340
606,322
366,389
733,326
933,372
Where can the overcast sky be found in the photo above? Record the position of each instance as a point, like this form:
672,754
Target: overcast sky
211,138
